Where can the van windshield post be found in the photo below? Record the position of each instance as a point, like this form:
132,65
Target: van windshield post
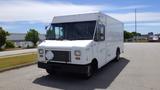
71,31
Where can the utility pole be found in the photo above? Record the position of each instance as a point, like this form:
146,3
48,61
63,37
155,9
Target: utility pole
135,24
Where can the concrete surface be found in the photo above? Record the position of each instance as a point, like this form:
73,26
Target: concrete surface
138,69
8,53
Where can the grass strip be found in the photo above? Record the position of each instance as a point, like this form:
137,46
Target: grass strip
8,62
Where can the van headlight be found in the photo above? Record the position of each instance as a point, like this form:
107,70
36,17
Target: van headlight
49,55
77,53
41,51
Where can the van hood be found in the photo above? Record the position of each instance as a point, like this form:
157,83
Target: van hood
65,43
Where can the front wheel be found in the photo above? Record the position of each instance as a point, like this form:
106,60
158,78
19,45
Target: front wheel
92,68
50,71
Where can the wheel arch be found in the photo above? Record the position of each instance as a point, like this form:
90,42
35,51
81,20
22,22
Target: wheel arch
95,63
118,50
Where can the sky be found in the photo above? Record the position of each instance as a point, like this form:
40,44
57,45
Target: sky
18,16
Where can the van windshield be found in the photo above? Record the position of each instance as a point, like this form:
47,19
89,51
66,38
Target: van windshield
71,31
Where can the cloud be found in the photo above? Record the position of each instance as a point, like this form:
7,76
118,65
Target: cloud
40,11
141,16
135,7
144,24
36,11
131,7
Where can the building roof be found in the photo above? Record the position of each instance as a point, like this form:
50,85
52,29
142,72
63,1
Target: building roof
21,36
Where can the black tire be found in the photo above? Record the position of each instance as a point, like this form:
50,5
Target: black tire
117,58
92,69
50,71
88,74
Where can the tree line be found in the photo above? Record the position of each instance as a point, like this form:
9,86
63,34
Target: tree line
32,35
129,35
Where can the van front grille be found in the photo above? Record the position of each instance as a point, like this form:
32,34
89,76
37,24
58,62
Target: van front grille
61,56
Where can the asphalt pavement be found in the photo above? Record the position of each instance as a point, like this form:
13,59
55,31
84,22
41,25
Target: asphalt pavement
138,69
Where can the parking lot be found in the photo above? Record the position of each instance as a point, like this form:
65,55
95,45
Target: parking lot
138,69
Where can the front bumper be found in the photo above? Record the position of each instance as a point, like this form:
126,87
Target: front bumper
64,67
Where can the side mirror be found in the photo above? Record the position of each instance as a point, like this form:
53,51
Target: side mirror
46,27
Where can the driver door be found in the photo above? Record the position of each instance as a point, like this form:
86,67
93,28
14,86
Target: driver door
100,49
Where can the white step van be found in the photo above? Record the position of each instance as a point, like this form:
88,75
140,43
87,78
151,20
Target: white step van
81,43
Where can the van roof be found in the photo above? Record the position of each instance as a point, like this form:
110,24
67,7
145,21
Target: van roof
79,17
76,18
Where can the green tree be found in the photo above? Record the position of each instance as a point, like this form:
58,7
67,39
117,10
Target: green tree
3,35
127,35
9,44
33,36
136,34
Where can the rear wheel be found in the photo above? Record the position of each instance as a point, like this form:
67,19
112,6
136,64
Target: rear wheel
117,55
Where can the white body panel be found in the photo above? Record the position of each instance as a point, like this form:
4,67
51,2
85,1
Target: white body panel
102,51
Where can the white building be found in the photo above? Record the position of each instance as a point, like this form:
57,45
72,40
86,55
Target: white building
19,39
